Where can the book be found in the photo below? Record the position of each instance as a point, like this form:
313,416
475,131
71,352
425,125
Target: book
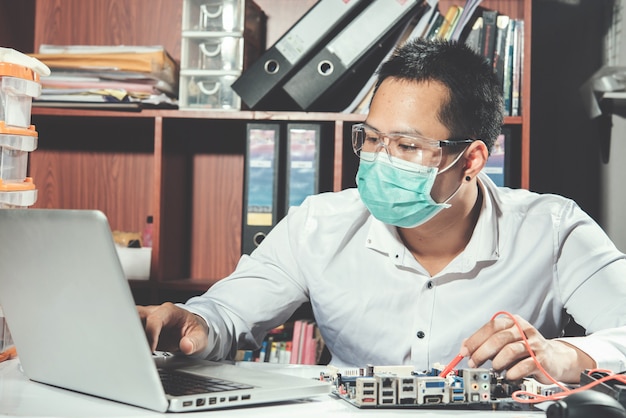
451,18
296,342
466,20
435,26
508,67
474,35
516,78
488,37
502,26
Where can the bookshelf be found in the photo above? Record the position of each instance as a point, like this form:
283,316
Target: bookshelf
185,168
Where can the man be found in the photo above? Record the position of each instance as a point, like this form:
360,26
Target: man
413,265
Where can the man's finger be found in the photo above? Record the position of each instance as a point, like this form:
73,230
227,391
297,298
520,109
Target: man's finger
194,339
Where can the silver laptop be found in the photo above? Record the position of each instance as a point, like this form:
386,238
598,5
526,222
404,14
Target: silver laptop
75,325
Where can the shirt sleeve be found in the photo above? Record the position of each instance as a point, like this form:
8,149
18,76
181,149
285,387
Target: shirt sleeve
263,292
592,280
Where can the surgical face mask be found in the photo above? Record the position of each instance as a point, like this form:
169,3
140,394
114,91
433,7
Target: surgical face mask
397,192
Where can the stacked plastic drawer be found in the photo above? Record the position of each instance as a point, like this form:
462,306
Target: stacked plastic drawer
219,38
18,86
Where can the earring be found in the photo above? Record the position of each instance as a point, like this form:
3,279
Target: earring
467,178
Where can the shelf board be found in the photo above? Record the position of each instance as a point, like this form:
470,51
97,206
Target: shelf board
201,114
216,114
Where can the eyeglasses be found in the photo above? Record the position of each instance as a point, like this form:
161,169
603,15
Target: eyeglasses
367,142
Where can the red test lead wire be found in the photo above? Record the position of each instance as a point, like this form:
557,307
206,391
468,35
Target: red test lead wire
451,365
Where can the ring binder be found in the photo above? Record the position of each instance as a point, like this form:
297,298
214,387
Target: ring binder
258,86
261,184
303,153
341,57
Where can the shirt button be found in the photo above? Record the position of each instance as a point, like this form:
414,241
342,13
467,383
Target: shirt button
430,284
420,334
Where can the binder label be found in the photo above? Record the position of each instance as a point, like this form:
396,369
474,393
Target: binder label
261,162
303,36
360,32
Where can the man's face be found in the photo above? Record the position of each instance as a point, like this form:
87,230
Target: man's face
413,108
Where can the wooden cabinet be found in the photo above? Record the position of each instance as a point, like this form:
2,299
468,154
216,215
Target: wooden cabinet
185,168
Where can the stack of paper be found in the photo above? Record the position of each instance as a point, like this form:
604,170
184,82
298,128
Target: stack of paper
108,76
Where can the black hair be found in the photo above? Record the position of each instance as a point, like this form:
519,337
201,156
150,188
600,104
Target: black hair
475,108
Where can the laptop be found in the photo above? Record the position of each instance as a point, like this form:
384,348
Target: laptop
75,324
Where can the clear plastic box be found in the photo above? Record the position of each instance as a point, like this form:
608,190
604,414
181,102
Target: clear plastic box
14,151
204,90
214,15
223,53
18,86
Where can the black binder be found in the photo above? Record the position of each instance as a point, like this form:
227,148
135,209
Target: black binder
341,58
258,86
303,157
260,203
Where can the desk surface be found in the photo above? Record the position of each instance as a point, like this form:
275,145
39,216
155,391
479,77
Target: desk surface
21,397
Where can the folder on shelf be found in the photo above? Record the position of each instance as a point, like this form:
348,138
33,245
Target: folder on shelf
341,57
303,152
257,83
261,183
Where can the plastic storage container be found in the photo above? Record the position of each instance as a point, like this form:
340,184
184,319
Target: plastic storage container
219,38
18,86
16,189
214,15
221,53
210,91
14,149
19,199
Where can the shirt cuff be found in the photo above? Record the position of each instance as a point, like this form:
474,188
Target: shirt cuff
604,353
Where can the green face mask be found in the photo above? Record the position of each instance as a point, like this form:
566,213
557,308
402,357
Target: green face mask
397,192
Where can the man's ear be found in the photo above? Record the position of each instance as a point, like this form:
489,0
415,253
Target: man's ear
476,157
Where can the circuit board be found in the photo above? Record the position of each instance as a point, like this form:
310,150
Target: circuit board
395,387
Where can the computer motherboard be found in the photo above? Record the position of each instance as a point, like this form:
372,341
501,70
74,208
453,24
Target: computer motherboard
402,387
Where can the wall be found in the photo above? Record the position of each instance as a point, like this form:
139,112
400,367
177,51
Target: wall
567,50
613,173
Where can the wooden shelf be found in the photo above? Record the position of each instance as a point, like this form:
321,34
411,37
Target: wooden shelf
185,168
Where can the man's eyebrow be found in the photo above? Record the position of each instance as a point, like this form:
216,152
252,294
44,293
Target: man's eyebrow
409,132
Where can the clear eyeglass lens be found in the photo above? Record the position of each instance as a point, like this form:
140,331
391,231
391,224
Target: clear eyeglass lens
413,149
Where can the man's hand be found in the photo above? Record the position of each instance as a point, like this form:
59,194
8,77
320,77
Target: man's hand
170,328
500,341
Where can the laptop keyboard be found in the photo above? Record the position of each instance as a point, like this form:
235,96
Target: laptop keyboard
178,383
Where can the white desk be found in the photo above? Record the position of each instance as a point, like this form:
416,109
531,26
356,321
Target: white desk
20,397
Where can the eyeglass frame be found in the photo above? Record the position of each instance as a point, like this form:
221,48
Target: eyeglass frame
432,143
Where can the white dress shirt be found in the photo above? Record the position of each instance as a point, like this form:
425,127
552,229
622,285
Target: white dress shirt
538,256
